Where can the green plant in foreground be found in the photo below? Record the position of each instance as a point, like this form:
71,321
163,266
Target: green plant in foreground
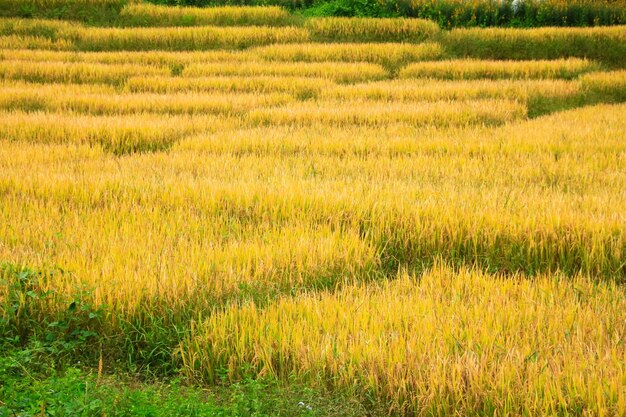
26,390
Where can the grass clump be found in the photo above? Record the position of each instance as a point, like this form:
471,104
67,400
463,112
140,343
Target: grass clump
335,71
339,29
301,87
185,39
141,14
70,72
483,69
390,55
117,134
605,86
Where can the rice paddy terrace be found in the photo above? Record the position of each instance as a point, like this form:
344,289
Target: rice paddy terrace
430,222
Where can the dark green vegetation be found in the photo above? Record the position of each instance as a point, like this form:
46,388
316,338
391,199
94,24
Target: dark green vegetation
545,43
101,12
447,13
26,390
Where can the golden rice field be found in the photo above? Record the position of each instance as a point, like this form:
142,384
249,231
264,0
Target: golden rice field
371,206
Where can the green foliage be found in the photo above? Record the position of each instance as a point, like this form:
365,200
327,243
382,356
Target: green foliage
29,389
514,13
453,13
62,325
447,13
351,8
89,11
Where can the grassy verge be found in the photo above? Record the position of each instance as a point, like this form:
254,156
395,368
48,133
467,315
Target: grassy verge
27,390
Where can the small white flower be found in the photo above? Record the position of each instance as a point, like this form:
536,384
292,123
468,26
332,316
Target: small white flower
303,405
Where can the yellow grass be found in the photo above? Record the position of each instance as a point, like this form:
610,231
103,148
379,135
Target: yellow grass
336,71
394,199
388,54
183,39
429,90
141,14
476,69
68,72
157,58
371,30
299,86
34,42
605,85
443,343
440,113
51,29
115,134
49,89
59,99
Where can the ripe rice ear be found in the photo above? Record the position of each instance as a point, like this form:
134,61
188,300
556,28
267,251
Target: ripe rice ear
34,42
300,87
339,72
119,135
604,86
142,14
64,72
477,69
442,113
344,29
387,54
185,39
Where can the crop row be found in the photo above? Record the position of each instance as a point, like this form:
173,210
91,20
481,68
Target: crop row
372,196
604,44
48,67
438,344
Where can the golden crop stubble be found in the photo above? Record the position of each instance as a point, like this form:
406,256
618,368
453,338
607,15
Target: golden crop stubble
339,72
472,350
476,69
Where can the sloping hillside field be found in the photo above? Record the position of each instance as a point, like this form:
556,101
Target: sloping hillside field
310,216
